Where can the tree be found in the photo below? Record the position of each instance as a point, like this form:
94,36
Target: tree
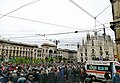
51,60
64,59
46,59
60,58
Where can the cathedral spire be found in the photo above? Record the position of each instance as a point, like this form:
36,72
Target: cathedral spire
88,36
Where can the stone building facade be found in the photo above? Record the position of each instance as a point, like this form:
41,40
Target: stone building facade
70,55
48,50
51,50
115,25
96,47
10,49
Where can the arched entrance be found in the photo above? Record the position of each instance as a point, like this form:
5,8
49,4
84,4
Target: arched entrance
50,53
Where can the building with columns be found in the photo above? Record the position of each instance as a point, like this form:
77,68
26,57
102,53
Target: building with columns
96,47
39,53
69,55
10,49
51,50
48,50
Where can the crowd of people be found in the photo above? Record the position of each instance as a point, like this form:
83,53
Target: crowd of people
42,73
48,73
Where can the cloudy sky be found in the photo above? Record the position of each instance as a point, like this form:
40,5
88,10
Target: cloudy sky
28,20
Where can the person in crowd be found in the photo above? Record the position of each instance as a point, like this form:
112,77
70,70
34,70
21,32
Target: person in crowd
22,78
77,74
89,79
70,75
82,75
10,77
51,76
65,74
45,76
1,78
62,75
36,75
58,75
40,76
44,73
116,78
30,79
107,76
4,75
16,76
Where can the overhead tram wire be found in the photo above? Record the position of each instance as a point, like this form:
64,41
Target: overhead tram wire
21,18
46,22
84,10
94,17
55,33
41,22
32,2
60,33
82,31
70,41
44,35
103,11
100,14
21,37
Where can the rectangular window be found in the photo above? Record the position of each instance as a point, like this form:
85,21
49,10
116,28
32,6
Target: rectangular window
92,50
81,54
103,68
92,43
100,68
100,48
92,67
106,52
106,69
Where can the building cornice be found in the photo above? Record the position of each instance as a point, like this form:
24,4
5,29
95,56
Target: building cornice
47,44
18,43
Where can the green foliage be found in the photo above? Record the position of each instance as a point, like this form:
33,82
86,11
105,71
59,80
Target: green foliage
51,60
22,60
64,60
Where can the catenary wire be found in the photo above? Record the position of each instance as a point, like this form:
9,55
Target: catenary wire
41,22
103,11
32,2
47,22
52,23
44,35
85,11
